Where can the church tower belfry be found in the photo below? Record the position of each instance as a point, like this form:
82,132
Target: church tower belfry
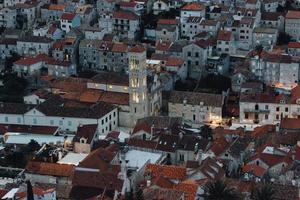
138,94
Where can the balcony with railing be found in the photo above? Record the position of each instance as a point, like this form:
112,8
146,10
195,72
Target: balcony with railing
256,110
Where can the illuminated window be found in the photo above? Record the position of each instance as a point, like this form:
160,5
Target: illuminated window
135,97
125,88
110,87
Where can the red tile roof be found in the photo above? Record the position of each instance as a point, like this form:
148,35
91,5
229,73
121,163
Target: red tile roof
3,192
90,96
68,16
142,127
162,182
224,35
173,61
125,15
219,146
255,169
190,188
119,47
117,98
36,191
162,46
138,49
52,169
193,7
295,94
130,4
168,21
294,45
27,61
293,14
86,131
60,7
45,130
290,123
167,171
99,159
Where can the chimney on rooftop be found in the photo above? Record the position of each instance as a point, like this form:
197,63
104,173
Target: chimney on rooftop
152,131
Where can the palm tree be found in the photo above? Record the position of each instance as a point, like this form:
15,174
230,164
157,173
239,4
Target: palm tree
263,193
219,191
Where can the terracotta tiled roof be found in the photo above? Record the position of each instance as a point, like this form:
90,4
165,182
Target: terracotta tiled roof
270,16
255,169
70,84
221,132
59,63
116,98
297,153
272,159
32,60
193,7
224,35
130,4
142,127
167,171
86,131
295,94
60,7
291,14
99,159
138,49
162,182
36,191
162,46
219,146
102,179
290,123
52,169
263,130
45,130
173,61
68,16
91,96
194,98
168,21
142,143
118,47
111,79
189,188
125,15
3,192
58,45
294,45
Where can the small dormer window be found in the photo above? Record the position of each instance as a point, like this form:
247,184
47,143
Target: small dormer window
282,101
298,101
82,140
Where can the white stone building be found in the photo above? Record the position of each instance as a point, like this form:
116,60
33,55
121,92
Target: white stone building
196,108
269,108
33,45
64,114
292,24
126,24
8,17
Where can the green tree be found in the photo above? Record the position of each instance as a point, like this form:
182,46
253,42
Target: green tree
16,159
32,146
139,194
206,132
219,191
283,38
29,191
263,193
